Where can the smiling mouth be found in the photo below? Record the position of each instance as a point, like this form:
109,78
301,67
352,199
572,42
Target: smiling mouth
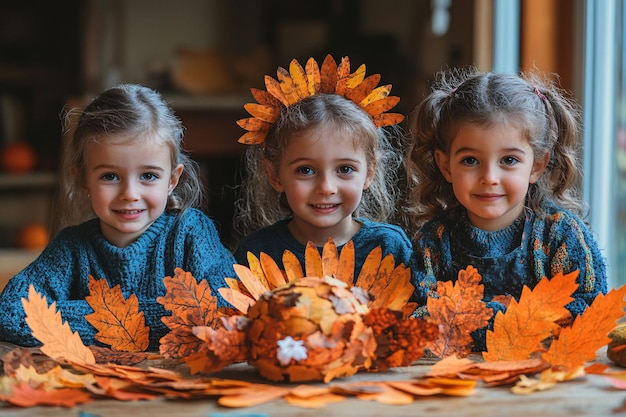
324,206
129,211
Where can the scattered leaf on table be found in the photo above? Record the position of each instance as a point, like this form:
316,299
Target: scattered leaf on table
58,340
518,332
119,322
25,396
460,310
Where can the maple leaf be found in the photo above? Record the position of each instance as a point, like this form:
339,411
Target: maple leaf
119,322
518,333
59,342
460,310
191,304
579,342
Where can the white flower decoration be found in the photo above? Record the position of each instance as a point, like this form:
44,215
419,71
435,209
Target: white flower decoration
289,349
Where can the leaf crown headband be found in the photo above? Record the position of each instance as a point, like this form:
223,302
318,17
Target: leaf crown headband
299,83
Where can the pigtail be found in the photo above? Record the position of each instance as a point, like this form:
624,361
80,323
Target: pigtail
561,180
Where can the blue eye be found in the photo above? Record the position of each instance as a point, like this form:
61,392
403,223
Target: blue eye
345,169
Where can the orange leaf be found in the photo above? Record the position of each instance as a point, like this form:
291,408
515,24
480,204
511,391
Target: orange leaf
579,342
382,105
299,79
254,124
25,396
313,261
238,300
290,91
460,310
378,93
380,284
253,138
265,98
387,119
345,268
328,74
191,304
273,274
257,270
313,76
362,90
263,112
254,395
59,342
250,281
273,87
330,259
293,268
369,269
119,322
518,333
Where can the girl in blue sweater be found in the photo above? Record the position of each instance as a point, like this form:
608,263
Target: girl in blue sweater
319,166
494,176
127,172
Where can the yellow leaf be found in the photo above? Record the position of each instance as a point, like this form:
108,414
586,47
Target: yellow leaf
58,340
298,79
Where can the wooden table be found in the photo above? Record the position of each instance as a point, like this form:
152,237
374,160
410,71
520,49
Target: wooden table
591,395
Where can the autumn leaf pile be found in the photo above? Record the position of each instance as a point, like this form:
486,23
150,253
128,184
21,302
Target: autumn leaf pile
309,325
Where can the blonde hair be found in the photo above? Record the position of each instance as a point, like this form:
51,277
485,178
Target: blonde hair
126,112
547,117
260,205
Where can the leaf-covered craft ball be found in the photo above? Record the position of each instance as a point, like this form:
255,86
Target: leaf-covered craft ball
310,329
318,324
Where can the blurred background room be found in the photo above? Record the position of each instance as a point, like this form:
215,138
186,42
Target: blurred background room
205,55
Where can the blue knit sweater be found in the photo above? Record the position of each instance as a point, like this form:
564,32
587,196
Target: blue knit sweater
509,259
275,239
188,241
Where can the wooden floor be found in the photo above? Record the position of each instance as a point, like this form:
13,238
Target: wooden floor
591,395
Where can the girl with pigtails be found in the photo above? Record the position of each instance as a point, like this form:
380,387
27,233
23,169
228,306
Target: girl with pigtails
494,177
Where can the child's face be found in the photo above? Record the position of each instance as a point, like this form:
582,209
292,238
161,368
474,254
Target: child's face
490,169
323,176
129,185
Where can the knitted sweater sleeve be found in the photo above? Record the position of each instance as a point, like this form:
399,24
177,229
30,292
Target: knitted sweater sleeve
52,275
563,243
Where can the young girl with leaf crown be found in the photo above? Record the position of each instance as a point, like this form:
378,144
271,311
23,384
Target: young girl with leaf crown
125,165
493,181
320,165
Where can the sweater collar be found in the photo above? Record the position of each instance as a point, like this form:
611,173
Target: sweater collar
483,243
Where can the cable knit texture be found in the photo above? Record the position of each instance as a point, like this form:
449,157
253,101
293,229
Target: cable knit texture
509,259
275,239
188,241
